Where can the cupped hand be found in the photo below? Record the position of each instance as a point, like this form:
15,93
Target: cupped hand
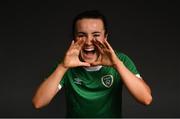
107,55
71,58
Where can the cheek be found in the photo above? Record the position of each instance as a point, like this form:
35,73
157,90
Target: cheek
101,39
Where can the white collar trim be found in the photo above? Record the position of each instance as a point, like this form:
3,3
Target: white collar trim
93,68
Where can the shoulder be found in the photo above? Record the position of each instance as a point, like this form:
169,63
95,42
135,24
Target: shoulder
122,56
127,61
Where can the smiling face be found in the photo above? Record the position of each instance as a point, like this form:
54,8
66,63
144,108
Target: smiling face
89,29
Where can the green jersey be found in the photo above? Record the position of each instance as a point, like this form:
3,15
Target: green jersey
95,93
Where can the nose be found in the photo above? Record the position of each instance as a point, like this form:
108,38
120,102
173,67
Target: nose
89,40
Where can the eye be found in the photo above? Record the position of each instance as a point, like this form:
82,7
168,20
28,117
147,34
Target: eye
96,35
80,36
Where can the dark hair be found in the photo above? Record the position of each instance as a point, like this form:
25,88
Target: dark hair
94,14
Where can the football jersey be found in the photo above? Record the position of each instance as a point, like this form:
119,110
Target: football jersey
95,93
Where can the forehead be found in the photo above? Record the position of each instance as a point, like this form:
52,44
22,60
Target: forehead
87,24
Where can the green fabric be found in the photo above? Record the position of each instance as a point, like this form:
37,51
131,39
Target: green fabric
95,93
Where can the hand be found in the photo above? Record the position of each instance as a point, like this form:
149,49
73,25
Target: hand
71,58
107,55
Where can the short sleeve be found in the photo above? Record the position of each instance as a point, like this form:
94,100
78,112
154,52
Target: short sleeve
62,82
128,63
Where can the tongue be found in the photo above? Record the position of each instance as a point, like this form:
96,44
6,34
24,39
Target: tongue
89,54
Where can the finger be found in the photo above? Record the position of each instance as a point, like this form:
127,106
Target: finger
98,47
76,43
79,43
82,43
84,64
97,43
101,45
96,63
108,45
72,43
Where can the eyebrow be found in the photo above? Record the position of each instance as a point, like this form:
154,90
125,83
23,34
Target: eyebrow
80,33
96,32
85,33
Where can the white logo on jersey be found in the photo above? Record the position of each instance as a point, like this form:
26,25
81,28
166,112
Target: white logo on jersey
107,80
77,81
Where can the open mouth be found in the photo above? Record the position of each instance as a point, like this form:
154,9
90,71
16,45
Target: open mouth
89,53
89,50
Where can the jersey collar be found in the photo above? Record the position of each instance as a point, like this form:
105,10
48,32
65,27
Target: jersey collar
93,68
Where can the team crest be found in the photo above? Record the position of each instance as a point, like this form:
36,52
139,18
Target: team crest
107,80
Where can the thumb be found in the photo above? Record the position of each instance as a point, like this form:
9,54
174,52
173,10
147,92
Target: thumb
84,64
95,63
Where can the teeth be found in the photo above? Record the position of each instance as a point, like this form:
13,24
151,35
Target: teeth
89,49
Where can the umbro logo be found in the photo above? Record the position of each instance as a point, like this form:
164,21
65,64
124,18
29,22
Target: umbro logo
78,81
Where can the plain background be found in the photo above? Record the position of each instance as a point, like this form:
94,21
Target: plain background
35,35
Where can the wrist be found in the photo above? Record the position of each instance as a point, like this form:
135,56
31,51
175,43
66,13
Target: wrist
117,63
63,67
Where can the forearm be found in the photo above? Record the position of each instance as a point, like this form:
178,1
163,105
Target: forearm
48,89
136,86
